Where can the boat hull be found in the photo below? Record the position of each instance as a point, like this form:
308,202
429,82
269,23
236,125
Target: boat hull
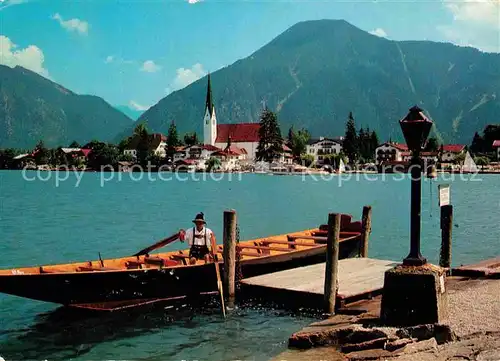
125,288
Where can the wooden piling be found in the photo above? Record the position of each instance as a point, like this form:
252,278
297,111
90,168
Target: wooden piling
332,263
446,226
366,228
229,254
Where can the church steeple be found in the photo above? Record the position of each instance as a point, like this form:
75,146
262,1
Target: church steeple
209,104
209,120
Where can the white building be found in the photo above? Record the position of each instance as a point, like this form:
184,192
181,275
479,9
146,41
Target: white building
390,152
199,153
450,152
427,157
496,144
157,145
319,148
242,135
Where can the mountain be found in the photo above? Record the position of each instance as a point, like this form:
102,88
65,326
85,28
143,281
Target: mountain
129,112
316,72
33,108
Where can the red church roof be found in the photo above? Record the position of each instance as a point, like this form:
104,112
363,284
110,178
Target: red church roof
453,148
496,143
242,132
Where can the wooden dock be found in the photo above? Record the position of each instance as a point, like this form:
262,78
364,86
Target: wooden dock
488,268
359,278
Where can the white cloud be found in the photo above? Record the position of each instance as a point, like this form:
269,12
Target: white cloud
379,32
486,12
31,57
187,76
194,1
109,59
136,106
7,3
149,66
80,26
476,23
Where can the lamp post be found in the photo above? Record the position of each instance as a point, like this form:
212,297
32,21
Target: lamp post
416,128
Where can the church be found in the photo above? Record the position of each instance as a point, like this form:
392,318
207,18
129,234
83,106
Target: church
243,135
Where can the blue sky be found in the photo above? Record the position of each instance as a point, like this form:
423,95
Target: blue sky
135,52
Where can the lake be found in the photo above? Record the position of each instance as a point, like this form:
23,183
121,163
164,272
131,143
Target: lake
51,221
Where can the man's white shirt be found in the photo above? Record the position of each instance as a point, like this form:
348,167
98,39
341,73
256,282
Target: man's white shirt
199,238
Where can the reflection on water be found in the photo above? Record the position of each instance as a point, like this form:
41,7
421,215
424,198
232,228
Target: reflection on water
155,332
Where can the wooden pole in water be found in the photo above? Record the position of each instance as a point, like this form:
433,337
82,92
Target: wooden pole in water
229,254
446,225
366,228
332,262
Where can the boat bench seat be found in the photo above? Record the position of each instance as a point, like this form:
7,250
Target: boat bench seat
180,256
265,248
160,261
52,270
91,268
250,254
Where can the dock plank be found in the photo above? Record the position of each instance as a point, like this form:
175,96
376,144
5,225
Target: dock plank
356,276
486,268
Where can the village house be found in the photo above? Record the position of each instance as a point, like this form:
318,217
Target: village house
286,156
427,157
157,145
390,152
321,147
242,135
496,144
396,152
450,152
75,154
197,154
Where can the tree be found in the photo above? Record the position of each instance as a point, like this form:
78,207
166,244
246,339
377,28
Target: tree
74,144
363,143
491,133
103,155
172,140
142,139
213,164
307,159
124,144
432,145
41,153
270,143
190,139
290,136
459,159
482,161
374,143
351,146
298,143
7,158
477,144
125,157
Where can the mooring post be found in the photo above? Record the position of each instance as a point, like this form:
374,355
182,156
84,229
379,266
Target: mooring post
229,254
332,262
446,225
366,228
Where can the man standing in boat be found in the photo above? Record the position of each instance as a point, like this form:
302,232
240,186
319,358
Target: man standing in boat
201,239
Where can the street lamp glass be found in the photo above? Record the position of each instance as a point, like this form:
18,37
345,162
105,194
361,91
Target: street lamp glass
416,128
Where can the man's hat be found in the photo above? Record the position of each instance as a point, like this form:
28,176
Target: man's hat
199,218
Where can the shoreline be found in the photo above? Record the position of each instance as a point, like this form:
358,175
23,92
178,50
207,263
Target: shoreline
355,333
309,172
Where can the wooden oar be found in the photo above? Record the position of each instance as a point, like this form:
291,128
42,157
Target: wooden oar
158,244
219,285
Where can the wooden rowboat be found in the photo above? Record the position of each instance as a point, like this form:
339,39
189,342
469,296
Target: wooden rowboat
111,284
